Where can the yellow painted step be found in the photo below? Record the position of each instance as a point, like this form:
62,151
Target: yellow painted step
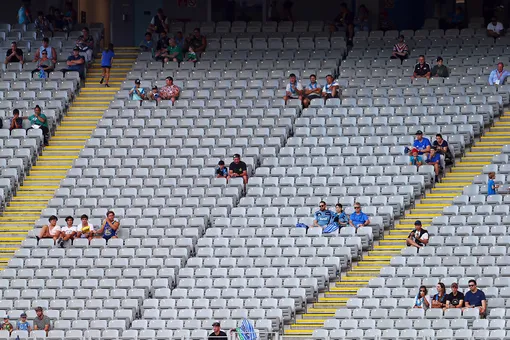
304,332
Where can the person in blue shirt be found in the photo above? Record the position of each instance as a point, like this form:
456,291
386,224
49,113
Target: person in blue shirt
106,64
147,44
312,91
110,227
340,218
221,170
415,159
475,298
433,158
137,92
421,143
22,324
323,216
76,62
498,76
491,185
358,218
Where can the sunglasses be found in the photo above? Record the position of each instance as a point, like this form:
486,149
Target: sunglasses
357,207
321,206
471,285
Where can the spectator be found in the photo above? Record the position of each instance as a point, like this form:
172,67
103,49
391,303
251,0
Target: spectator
340,218
400,49
362,20
191,55
311,91
439,299
456,19
294,89
23,324
439,70
106,64
14,54
39,121
455,299
331,89
137,92
434,159
70,15
422,299
147,44
344,20
52,230
238,168
159,22
217,332
415,159
421,143
323,217
24,13
419,237
422,69
358,218
67,232
60,24
475,298
162,43
16,121
197,41
495,29
85,229
44,66
85,43
45,47
441,147
170,91
221,170
7,325
154,94
41,321
498,76
76,62
174,52
491,185
179,40
42,24
51,15
110,227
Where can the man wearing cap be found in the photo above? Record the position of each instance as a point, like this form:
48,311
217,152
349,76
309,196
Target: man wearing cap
455,299
217,333
170,91
75,62
440,70
422,69
7,325
421,143
22,324
137,92
419,237
41,321
238,168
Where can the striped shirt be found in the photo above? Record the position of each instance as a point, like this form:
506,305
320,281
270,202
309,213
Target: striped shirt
401,48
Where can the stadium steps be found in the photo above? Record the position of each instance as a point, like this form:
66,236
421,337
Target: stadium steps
430,206
56,158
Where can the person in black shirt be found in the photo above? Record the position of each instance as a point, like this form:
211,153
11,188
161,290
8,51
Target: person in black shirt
14,55
455,299
221,170
217,332
238,169
422,69
16,121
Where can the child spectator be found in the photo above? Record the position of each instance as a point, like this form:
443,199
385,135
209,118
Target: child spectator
7,325
22,324
221,170
147,45
491,185
415,158
106,64
191,56
16,120
154,94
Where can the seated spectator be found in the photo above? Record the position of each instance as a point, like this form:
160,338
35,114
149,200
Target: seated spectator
137,92
331,89
85,43
422,144
170,91
45,47
159,22
422,69
323,217
358,218
455,299
238,168
24,16
60,25
495,29
419,237
422,299
70,15
44,66
415,159
7,325
439,70
439,299
197,42
16,121
162,43
147,44
441,147
67,232
179,40
221,170
154,94
312,91
52,230
191,55
42,24
434,159
475,298
217,333
39,121
85,229
456,19
491,185
498,76
23,324
400,49
174,52
344,20
14,54
76,62
41,321
294,89
362,20
109,228
340,218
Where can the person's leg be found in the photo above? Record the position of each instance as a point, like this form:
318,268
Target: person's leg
46,134
45,232
245,179
436,169
103,73
306,102
410,242
334,93
173,99
285,98
107,79
165,60
90,55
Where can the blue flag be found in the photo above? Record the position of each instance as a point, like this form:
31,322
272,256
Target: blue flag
246,331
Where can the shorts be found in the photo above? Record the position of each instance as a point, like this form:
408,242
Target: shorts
105,66
313,96
107,237
329,95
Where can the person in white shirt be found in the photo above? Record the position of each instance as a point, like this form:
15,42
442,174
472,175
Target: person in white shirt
294,89
311,91
68,232
495,29
85,229
331,89
52,230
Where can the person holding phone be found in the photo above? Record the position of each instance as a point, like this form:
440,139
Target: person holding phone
422,299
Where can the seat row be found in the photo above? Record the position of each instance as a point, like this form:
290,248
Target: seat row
440,272
481,255
493,230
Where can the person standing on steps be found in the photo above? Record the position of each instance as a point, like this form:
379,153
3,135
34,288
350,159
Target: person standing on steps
106,64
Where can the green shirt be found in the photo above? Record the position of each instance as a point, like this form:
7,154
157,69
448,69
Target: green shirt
175,49
34,121
7,327
440,71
